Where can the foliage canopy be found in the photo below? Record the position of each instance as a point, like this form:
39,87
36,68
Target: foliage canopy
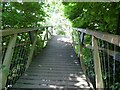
96,16
25,14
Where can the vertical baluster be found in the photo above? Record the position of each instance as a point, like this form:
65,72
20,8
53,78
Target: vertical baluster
79,45
73,42
52,29
50,32
97,64
45,37
47,33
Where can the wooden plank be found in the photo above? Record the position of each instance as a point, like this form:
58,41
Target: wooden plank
7,59
52,75
54,82
15,31
114,39
71,61
46,87
97,64
19,86
57,64
49,68
54,66
72,79
50,65
53,71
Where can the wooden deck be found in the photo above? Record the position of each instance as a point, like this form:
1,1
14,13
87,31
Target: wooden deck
55,67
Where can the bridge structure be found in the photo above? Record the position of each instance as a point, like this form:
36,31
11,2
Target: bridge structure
35,58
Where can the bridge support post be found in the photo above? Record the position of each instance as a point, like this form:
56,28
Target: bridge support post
97,64
80,47
7,61
31,52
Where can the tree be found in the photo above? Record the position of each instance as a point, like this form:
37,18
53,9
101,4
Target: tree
24,14
96,16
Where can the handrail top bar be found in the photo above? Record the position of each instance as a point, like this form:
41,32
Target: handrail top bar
111,38
15,31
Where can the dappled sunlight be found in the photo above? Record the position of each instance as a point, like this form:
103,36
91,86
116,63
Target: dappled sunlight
65,39
60,70
60,55
71,56
76,80
62,25
41,49
55,86
81,81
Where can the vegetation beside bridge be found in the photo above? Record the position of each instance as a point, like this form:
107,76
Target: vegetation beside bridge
93,26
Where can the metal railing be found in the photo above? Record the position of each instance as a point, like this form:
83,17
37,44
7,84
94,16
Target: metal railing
99,54
18,48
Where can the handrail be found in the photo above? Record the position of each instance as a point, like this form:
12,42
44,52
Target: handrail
114,39
111,52
10,31
29,38
96,35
